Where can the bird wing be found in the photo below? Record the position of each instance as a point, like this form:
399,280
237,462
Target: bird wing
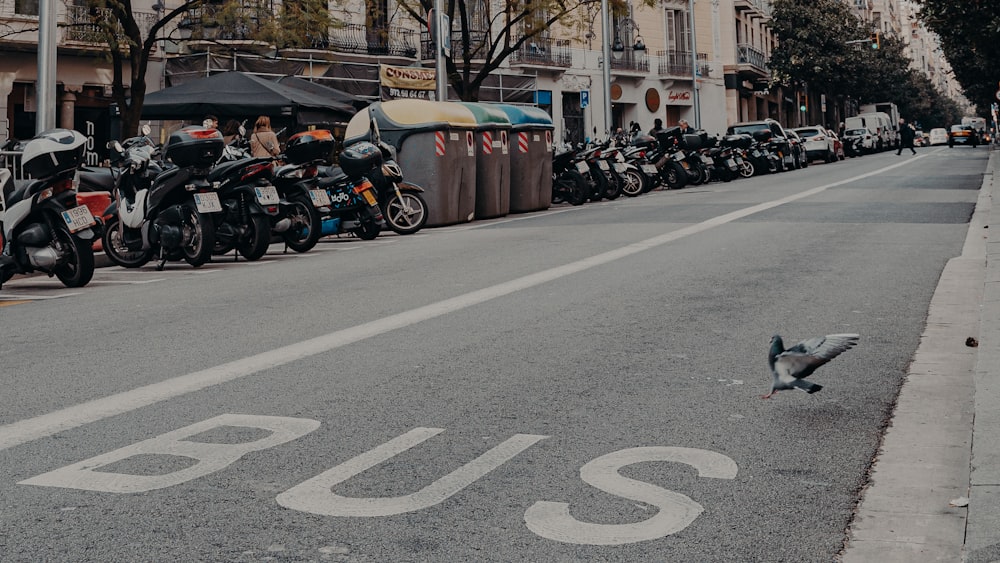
801,360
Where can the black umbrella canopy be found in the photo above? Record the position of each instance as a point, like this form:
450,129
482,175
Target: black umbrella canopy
238,93
319,89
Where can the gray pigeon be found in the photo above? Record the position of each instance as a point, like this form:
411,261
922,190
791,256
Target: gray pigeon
790,367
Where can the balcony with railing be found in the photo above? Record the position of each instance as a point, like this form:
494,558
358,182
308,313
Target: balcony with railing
543,52
393,41
629,61
479,42
213,22
751,60
91,25
675,63
761,7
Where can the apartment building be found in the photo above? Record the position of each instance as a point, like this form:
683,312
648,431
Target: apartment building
84,71
661,65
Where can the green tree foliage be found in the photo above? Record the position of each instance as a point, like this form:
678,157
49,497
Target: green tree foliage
811,45
823,45
969,31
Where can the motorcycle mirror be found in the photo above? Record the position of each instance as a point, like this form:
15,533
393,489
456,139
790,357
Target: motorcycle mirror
243,131
145,129
117,146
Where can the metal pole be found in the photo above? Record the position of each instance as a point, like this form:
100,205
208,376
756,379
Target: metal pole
606,64
45,86
694,67
441,69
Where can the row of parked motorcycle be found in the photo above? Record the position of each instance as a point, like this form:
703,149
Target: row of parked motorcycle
195,197
669,159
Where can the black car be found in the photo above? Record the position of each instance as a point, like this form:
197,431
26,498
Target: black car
788,150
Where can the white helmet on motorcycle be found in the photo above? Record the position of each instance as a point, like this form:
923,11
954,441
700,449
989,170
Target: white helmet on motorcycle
53,151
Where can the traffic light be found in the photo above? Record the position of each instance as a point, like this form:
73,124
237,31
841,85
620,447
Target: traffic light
876,40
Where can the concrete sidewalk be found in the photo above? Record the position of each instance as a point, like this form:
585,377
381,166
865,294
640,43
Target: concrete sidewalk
934,492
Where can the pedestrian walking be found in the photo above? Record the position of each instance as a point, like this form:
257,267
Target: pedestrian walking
263,141
906,135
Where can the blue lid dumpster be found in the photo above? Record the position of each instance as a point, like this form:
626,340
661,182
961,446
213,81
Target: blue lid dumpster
492,160
435,148
530,158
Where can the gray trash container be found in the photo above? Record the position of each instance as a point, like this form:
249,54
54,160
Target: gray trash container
492,160
435,145
530,158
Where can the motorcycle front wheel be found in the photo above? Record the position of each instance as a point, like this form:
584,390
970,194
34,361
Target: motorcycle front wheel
571,187
198,236
614,189
633,183
406,213
305,230
746,168
116,250
76,264
674,176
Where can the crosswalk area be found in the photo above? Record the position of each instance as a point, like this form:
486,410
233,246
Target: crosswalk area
36,287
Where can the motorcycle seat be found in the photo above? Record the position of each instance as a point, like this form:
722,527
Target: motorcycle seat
25,189
332,175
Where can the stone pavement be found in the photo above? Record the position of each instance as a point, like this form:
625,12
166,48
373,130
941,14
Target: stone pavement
934,492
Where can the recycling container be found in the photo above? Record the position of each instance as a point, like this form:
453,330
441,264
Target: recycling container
492,160
530,158
435,148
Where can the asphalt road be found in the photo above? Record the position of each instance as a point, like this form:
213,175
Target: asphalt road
576,384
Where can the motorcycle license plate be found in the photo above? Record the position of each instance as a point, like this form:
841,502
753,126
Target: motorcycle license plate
369,197
731,164
207,202
582,167
620,167
707,160
78,218
320,198
649,169
603,165
267,195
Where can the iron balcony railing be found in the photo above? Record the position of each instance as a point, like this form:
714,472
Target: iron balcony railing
674,63
89,25
544,51
746,54
217,22
394,41
478,40
762,6
630,60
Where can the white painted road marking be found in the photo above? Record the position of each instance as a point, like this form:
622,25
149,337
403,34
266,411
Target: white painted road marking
211,457
316,496
552,520
30,429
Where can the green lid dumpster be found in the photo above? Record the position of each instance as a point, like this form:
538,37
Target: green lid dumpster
530,158
492,160
435,148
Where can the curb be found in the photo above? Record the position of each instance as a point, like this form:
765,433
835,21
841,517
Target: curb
912,508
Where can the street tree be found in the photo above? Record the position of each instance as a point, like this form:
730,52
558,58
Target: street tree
968,33
484,34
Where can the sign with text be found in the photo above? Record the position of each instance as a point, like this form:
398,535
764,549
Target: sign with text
679,97
406,82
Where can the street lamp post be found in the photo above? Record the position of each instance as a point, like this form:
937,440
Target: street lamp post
45,87
694,68
606,62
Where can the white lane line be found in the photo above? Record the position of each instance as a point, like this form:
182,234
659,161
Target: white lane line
34,297
30,429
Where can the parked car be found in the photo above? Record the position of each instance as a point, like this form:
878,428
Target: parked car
918,138
798,148
838,145
778,135
938,136
867,140
962,135
818,143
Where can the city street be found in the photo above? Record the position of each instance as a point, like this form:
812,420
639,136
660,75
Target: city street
581,383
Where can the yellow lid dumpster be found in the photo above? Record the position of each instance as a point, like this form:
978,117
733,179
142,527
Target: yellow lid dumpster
435,145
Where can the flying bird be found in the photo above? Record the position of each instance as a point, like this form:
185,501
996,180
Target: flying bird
790,367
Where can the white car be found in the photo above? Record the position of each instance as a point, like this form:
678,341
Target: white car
818,144
864,135
939,136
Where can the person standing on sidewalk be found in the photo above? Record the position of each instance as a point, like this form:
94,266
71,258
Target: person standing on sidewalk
906,135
